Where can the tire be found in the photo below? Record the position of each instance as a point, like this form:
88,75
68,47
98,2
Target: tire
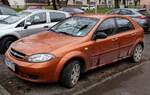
137,53
70,74
5,43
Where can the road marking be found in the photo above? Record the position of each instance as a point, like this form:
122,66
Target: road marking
108,78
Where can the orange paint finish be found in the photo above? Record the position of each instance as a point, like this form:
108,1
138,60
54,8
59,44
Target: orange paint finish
94,53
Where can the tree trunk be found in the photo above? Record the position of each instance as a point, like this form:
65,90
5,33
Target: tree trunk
54,4
5,2
116,3
124,3
135,2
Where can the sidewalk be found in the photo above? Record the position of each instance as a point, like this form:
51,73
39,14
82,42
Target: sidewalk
3,91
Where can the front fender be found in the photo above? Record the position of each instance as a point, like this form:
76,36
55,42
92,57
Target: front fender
65,59
9,33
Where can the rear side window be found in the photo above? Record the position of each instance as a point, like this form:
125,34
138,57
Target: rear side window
108,26
0,12
55,16
144,12
126,12
123,25
114,11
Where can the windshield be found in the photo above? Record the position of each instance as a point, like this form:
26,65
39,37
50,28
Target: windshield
14,18
75,26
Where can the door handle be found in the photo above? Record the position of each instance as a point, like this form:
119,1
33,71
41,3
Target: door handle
45,26
114,39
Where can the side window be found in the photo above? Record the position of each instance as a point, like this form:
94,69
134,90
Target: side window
126,12
108,26
123,25
39,18
115,11
55,16
0,12
21,24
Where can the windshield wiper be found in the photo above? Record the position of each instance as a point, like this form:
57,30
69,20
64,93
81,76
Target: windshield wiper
83,27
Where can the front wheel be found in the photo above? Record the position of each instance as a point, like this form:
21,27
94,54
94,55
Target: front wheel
137,53
5,43
70,74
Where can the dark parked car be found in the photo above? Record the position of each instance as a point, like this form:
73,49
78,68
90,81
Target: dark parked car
6,11
141,16
72,10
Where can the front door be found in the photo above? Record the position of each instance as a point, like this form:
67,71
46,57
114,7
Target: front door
38,24
105,50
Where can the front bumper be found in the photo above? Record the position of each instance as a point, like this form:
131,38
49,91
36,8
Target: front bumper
34,72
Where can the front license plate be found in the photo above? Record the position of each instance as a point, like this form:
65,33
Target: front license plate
10,65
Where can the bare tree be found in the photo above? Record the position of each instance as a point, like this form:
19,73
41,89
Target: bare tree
116,3
125,3
54,4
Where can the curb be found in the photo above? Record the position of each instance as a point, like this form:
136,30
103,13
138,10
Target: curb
3,91
108,78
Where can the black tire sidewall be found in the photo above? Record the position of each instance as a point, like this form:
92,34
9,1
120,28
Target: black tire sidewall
65,79
3,43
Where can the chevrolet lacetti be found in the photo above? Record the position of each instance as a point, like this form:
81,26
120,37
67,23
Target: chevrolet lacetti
74,46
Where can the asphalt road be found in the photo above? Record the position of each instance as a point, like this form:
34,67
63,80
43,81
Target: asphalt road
117,85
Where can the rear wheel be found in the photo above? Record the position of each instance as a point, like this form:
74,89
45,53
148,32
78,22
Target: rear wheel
70,74
137,53
5,43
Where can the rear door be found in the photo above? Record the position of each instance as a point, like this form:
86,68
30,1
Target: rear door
126,36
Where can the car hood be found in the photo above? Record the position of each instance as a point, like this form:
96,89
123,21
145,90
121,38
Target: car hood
45,42
4,26
3,16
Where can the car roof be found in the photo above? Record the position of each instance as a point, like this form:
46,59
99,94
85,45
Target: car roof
99,16
132,9
42,10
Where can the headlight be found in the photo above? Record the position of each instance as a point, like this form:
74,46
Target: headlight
37,58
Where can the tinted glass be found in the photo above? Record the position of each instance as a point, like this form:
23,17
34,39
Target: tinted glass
39,18
108,26
55,16
126,12
75,26
123,25
144,12
114,11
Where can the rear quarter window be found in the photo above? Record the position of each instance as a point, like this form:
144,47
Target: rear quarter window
56,16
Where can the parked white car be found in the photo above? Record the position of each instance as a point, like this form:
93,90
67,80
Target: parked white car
6,11
91,7
26,23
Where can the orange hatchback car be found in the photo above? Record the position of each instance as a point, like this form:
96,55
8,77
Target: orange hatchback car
74,46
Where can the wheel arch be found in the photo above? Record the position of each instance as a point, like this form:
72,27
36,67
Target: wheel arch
77,55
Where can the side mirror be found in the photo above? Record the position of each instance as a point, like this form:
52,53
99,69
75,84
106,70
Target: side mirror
100,35
27,24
